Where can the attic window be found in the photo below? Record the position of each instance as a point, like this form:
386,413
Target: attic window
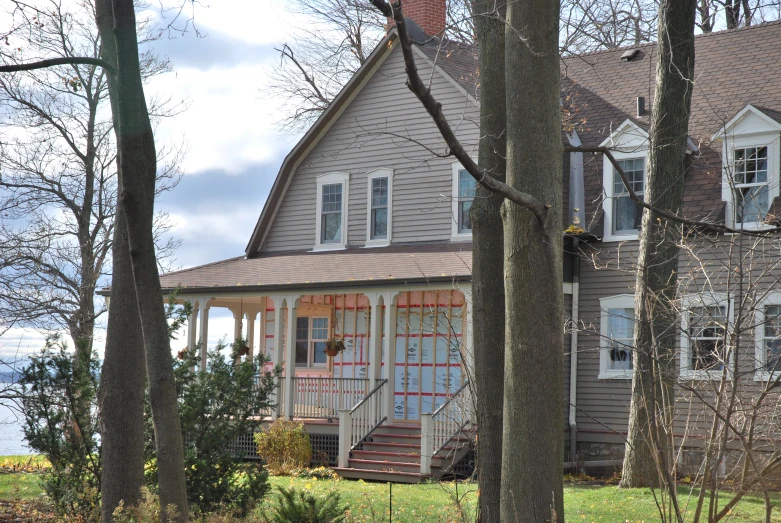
629,55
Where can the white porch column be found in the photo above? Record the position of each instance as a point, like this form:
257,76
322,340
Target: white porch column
375,338
276,354
204,306
468,348
250,333
290,356
390,351
192,327
237,317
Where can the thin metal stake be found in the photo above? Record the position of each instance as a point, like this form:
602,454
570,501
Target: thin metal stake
390,503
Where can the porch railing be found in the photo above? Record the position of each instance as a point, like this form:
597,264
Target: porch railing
356,424
317,397
439,428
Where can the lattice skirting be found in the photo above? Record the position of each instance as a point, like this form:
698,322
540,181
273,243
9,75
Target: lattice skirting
325,448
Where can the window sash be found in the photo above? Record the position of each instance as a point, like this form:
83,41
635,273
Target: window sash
707,330
627,214
467,187
771,340
379,209
331,213
311,336
620,333
751,184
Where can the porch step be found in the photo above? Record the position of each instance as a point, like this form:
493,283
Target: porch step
382,475
398,457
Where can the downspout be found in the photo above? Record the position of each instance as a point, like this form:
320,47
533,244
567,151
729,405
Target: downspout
577,214
573,357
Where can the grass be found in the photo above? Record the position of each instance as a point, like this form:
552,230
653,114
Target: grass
430,502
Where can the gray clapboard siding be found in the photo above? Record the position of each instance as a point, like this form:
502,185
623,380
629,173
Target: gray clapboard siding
359,142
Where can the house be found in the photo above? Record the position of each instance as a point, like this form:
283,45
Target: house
366,237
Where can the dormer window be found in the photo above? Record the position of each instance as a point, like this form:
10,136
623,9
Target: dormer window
332,191
379,207
622,216
627,214
750,159
464,189
751,189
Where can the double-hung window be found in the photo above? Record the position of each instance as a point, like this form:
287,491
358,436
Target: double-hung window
750,184
768,336
331,211
617,337
311,337
379,219
704,337
464,189
627,213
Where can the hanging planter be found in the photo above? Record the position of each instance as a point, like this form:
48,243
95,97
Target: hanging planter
334,346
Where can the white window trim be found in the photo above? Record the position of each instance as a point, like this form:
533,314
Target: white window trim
330,179
620,301
379,173
743,141
761,374
607,183
706,300
456,236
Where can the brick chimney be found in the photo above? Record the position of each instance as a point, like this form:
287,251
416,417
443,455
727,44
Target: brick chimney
430,15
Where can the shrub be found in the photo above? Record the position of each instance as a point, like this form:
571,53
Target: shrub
296,506
217,406
59,394
317,472
284,446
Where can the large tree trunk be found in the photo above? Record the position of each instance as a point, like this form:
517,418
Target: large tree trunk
533,446
487,259
122,387
654,367
137,168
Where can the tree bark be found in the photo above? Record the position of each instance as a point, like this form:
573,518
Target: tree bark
648,456
137,168
487,259
533,446
123,376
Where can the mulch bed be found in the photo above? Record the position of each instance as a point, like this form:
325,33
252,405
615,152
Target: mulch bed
25,511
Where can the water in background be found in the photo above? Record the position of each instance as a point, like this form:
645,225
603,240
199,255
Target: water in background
11,437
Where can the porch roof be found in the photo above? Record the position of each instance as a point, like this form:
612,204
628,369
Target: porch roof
393,265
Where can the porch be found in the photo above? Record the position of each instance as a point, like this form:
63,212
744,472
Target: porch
394,401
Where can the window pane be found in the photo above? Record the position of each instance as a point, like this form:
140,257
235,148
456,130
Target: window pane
379,192
331,228
752,203
464,221
773,338
706,330
634,169
626,214
319,328
466,185
302,342
379,224
332,198
621,327
319,355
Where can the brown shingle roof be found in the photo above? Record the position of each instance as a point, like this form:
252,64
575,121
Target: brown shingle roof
397,264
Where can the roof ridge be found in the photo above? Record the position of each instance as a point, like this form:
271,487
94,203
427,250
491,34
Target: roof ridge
653,44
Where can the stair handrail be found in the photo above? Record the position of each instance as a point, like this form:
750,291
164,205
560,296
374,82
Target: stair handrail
439,428
356,424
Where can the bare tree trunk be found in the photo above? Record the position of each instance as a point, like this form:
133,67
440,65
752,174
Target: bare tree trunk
654,370
123,376
122,387
137,172
533,447
488,259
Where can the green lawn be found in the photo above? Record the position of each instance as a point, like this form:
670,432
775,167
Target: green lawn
432,502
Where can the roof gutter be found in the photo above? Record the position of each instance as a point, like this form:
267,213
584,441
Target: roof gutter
253,289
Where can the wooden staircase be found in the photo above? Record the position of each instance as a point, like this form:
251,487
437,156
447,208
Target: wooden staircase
392,453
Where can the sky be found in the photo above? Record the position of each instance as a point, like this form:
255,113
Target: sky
229,128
